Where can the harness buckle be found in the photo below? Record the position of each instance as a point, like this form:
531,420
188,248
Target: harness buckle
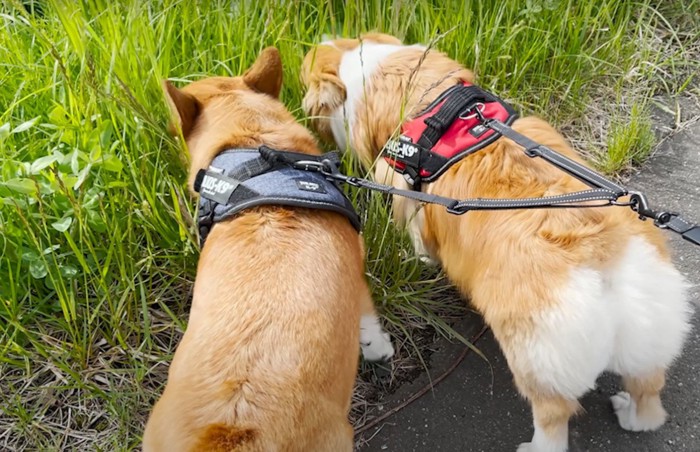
309,165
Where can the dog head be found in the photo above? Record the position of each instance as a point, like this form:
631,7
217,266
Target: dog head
217,113
325,91
186,104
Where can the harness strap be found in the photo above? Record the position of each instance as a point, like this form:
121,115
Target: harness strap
241,173
296,159
534,149
250,169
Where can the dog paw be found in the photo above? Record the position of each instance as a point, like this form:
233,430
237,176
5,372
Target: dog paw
378,348
621,402
374,341
531,447
625,409
427,260
630,419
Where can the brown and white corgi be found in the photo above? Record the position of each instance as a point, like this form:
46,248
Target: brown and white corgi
568,293
269,358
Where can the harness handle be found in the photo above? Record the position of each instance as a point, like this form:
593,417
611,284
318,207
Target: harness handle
453,107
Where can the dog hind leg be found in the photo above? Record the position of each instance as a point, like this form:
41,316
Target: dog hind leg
639,407
551,420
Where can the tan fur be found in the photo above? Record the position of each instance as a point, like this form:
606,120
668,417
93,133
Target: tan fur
269,358
531,251
553,413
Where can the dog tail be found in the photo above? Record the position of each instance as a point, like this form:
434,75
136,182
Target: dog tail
226,438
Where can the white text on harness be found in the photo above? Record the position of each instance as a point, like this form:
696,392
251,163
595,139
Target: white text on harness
214,185
401,149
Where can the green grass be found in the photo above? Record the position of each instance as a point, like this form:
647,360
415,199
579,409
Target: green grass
97,247
629,142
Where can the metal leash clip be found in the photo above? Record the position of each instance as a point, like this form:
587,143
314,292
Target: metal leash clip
639,203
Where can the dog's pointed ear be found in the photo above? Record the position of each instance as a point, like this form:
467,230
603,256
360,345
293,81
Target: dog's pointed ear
184,108
265,75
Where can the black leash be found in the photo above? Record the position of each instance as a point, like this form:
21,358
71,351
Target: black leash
638,201
534,149
602,194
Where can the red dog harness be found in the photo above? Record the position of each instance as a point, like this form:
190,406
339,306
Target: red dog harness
448,130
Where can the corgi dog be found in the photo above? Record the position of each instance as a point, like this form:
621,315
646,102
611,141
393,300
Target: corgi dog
568,293
280,303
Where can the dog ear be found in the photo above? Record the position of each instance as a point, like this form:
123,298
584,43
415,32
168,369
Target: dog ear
325,92
265,75
184,109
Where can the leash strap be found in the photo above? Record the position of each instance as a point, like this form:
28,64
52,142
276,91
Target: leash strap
664,220
329,168
575,169
604,192
561,201
457,207
688,231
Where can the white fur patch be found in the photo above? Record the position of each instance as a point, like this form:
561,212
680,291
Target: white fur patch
651,310
631,319
374,341
570,344
356,68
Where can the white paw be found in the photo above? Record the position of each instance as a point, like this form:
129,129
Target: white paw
531,447
626,411
374,341
525,447
428,260
622,402
378,349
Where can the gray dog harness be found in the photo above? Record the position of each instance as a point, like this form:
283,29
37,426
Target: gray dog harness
238,179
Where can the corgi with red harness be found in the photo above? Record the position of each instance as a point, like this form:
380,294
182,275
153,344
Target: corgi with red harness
568,293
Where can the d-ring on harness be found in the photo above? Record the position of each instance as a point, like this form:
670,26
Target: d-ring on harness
408,154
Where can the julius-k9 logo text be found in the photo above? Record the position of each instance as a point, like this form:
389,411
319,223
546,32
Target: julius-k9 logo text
401,148
213,185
